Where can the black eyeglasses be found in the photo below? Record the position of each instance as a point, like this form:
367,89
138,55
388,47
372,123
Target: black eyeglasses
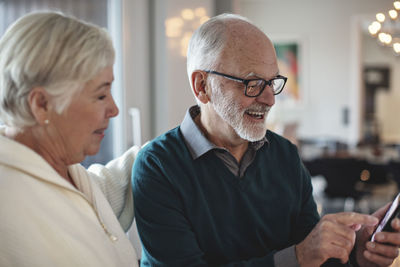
254,87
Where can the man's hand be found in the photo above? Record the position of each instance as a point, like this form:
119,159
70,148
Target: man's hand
384,250
333,237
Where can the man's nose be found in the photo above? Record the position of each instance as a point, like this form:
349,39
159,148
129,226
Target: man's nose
267,97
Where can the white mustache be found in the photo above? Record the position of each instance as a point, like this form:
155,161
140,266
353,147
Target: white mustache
258,108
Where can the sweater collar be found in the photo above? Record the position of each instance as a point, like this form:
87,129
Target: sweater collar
20,157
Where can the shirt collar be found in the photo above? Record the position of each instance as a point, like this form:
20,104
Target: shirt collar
196,141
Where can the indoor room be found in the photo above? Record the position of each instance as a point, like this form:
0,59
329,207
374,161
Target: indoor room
340,105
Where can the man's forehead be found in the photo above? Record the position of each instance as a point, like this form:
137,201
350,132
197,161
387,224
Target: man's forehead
248,43
249,63
259,75
248,52
242,30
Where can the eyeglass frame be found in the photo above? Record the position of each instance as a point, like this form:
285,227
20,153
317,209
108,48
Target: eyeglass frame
246,81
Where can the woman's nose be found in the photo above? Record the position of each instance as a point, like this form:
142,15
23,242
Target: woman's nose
113,109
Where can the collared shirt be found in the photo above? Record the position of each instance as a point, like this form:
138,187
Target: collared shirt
198,145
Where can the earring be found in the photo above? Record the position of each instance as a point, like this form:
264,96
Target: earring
46,121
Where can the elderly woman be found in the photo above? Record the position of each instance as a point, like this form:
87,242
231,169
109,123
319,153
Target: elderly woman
55,101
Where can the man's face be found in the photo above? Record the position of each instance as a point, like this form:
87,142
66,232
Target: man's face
249,56
249,122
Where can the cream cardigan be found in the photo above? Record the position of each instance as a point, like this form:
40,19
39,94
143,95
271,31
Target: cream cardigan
45,221
114,180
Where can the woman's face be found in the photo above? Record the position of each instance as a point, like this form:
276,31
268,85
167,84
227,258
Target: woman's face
80,128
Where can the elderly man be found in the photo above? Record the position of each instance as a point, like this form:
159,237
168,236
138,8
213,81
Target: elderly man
221,190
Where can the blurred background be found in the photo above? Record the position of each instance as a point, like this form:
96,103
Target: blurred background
341,106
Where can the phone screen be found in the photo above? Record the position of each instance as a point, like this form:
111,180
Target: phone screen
389,216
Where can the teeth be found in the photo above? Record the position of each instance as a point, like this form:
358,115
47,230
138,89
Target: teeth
252,113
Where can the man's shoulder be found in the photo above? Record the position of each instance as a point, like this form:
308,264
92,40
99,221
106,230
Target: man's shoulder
165,145
280,147
275,139
165,158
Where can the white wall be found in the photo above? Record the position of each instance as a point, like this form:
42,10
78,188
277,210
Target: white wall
172,94
327,30
387,102
134,61
154,71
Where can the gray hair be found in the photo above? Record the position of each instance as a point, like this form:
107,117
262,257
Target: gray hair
49,50
207,42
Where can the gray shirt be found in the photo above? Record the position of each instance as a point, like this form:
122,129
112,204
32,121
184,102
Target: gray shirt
198,145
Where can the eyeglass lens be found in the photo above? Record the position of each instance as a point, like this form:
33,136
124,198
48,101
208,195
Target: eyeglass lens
254,87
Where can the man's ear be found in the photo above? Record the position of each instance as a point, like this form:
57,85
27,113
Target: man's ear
199,84
38,100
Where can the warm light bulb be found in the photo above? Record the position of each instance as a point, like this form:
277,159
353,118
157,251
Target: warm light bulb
385,38
382,37
200,12
396,5
173,27
393,14
372,30
380,17
396,48
365,175
187,14
376,25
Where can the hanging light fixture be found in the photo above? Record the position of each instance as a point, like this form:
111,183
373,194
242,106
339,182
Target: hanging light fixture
180,28
387,28
396,5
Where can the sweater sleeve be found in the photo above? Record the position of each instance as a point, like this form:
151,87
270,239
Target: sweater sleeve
166,235
308,216
115,183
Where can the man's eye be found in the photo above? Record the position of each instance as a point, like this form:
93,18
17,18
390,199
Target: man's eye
101,97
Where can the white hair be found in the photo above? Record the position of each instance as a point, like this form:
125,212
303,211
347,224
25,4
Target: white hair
49,50
208,41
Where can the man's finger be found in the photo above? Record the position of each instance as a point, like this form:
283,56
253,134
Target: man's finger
383,250
388,238
343,242
396,224
378,259
352,218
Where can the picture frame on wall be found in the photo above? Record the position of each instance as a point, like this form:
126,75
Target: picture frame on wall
290,104
377,77
291,55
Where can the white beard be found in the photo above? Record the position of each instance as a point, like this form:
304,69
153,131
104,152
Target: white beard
233,114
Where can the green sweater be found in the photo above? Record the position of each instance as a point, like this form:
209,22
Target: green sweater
197,213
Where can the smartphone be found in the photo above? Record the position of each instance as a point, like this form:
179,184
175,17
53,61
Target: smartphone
385,223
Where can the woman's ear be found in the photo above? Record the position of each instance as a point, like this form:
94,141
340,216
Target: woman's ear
38,100
199,84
